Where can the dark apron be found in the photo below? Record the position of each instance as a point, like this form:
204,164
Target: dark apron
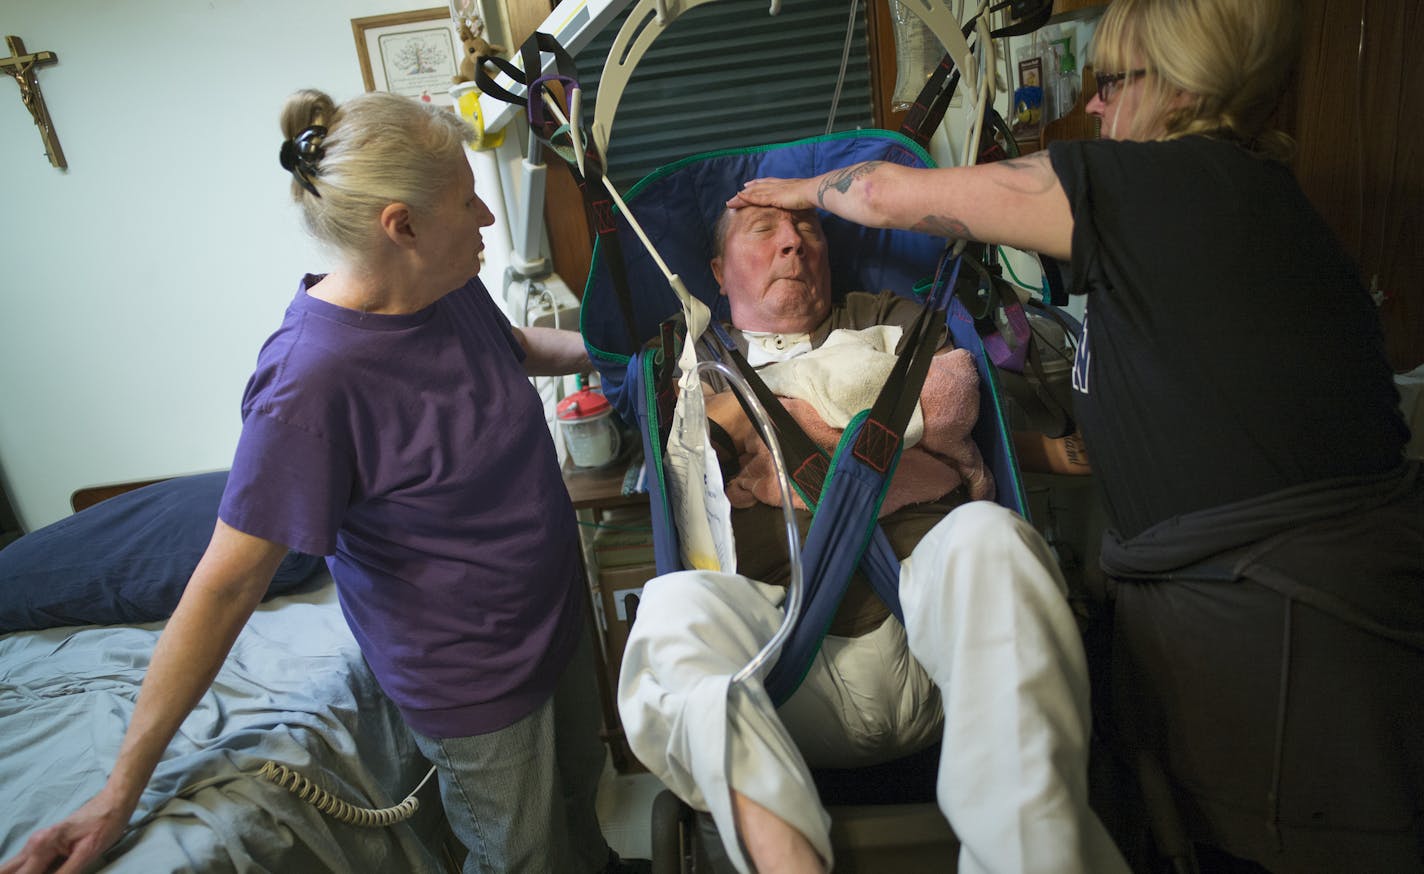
1268,657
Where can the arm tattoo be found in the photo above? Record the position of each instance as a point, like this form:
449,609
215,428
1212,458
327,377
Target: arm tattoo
1029,175
841,179
943,226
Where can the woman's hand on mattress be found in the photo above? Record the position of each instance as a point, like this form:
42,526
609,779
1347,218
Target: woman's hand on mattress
227,585
75,843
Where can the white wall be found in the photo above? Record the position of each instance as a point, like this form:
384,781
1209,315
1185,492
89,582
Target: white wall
137,287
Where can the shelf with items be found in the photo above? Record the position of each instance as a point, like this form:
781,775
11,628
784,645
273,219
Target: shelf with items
616,534
1054,59
1076,123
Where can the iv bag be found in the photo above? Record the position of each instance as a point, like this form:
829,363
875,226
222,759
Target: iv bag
917,53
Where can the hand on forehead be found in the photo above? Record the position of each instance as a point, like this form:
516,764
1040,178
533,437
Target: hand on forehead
744,214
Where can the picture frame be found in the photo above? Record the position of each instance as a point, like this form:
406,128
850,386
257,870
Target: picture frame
1031,73
414,53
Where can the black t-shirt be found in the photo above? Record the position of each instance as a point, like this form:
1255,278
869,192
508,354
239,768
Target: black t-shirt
1230,349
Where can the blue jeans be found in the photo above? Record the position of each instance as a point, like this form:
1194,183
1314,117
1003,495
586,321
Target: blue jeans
521,799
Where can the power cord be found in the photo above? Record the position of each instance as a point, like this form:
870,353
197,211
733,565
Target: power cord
342,811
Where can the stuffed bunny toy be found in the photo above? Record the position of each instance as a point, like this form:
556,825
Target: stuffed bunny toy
472,38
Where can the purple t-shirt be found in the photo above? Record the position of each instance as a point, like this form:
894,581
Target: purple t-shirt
412,451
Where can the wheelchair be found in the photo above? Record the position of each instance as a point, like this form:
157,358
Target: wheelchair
883,818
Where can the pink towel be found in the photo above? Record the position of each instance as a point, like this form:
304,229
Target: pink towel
945,457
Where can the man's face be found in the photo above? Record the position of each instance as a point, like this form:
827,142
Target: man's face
774,270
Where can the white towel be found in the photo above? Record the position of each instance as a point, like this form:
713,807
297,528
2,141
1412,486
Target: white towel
843,376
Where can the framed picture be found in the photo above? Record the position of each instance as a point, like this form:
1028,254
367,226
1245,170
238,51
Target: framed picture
1031,73
412,53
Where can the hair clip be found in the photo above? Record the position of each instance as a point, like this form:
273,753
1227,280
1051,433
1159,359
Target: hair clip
299,156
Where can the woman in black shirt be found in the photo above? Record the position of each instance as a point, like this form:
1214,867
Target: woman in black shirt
1266,533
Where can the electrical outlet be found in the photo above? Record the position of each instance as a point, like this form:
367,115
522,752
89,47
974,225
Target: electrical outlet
546,302
620,605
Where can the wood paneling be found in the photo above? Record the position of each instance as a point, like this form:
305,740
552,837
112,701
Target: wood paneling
570,239
880,34
570,243
524,17
1358,100
1061,7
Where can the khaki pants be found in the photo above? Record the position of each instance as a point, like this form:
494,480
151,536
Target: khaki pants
990,656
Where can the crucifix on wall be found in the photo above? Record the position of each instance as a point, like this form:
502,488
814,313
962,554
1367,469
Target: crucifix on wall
21,67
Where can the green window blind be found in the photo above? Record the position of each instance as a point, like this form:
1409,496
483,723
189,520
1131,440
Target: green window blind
728,75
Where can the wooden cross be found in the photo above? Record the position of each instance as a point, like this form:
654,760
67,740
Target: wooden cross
21,67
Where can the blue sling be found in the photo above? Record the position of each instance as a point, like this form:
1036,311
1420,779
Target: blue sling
677,207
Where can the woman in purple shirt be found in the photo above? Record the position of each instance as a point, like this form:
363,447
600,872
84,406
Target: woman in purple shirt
390,425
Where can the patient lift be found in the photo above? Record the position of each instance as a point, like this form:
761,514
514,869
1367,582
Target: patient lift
632,291
677,207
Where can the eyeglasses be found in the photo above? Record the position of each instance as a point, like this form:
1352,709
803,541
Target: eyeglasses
1108,82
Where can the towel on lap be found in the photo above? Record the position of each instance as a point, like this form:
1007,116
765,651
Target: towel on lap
842,376
824,391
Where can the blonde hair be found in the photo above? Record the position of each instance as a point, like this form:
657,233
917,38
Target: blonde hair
378,149
1232,58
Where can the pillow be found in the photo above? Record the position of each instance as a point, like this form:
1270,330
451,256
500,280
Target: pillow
123,560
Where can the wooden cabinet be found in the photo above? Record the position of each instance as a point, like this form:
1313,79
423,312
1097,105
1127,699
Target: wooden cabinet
1077,124
1358,97
1063,7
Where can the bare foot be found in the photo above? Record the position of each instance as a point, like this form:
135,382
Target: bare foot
775,847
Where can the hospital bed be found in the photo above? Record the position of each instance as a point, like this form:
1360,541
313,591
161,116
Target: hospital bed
294,692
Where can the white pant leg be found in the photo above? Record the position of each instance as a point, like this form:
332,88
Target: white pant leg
864,701
690,727
986,615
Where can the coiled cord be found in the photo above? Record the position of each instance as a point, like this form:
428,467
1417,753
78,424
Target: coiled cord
342,811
